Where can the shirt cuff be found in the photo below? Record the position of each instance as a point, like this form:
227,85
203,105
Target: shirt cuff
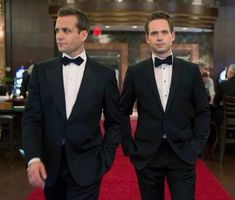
33,160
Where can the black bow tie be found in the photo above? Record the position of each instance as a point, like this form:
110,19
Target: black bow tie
167,60
65,60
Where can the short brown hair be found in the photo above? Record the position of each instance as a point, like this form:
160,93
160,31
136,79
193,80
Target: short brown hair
82,19
159,15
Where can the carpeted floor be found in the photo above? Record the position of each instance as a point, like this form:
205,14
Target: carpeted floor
121,184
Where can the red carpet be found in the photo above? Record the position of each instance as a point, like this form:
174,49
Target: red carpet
121,183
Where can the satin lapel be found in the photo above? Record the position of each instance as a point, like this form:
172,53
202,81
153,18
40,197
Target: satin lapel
88,84
153,83
55,80
176,68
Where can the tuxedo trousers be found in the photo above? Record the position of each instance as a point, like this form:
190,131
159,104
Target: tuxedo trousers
66,188
166,165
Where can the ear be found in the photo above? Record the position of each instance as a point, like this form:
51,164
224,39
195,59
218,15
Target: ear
173,36
83,34
147,38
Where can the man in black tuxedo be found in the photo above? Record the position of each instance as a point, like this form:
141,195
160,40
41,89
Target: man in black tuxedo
164,88
64,149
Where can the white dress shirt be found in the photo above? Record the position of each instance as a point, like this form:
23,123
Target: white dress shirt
72,78
163,75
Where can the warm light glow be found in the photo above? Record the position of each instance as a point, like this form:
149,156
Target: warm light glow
97,31
197,2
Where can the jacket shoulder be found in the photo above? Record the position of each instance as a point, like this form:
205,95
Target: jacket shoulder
100,68
48,62
188,67
185,63
141,65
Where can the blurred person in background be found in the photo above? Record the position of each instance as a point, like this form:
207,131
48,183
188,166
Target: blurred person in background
226,87
25,81
208,81
3,88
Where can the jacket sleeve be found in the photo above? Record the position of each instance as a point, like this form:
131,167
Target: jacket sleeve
128,98
32,120
202,111
112,123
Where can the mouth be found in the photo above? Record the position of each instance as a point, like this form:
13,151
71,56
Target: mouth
160,45
61,44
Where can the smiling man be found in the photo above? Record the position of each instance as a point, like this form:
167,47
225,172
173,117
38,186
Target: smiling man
64,149
164,145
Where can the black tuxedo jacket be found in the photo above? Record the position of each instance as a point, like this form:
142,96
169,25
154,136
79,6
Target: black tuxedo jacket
225,88
46,128
186,90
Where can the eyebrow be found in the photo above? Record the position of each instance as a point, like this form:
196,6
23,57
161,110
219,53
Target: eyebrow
162,31
63,28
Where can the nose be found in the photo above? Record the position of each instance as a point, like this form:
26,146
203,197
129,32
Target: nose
59,34
159,37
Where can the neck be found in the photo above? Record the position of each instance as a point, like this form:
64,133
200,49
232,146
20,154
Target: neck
162,56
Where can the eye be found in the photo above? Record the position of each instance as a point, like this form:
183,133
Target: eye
154,33
66,30
56,30
165,32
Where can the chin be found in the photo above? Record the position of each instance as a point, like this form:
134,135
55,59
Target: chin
61,50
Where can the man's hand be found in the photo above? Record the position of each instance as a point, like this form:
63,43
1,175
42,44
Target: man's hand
37,174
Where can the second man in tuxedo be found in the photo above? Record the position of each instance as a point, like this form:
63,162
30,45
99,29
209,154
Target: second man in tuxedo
64,149
164,88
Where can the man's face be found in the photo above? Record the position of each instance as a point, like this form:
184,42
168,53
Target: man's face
230,73
68,38
203,69
160,37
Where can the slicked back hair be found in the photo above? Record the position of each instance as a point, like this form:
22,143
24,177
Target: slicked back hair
82,18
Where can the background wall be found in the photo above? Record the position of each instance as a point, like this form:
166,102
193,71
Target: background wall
135,39
224,37
2,35
30,36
